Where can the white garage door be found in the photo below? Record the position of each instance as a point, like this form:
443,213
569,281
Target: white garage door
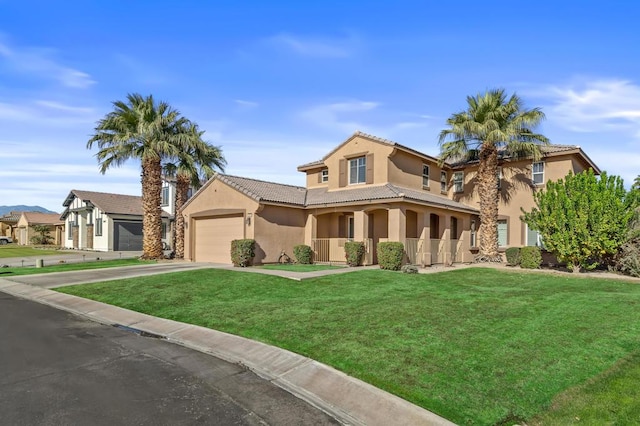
213,237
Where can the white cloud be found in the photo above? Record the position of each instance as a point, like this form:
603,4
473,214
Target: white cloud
246,104
46,112
594,106
315,47
41,62
341,116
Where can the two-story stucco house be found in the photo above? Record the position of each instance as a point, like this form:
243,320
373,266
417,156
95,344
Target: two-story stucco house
367,189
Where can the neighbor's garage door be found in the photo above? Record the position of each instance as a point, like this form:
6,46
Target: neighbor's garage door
213,237
127,236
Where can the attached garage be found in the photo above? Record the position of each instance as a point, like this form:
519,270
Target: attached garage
127,236
213,236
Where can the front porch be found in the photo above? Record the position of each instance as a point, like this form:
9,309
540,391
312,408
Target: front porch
429,235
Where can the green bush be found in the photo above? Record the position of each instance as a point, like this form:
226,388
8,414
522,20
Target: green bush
530,257
409,269
242,252
390,255
354,252
303,254
513,256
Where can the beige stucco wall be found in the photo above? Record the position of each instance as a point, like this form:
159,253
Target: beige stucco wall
405,170
277,229
516,191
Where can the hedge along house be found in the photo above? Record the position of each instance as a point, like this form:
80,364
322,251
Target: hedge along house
367,189
106,222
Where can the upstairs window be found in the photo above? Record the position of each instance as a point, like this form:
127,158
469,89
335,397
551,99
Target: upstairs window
458,181
425,176
537,173
443,181
357,170
499,173
324,176
164,198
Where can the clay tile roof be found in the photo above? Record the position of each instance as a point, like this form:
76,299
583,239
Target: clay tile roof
266,191
557,148
39,218
320,196
11,217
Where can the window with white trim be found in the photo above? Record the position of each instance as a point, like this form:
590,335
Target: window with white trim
443,181
458,182
425,176
358,170
98,226
537,173
499,173
164,198
324,175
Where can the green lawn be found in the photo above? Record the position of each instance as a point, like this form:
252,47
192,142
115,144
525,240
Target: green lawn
64,267
295,267
14,250
477,345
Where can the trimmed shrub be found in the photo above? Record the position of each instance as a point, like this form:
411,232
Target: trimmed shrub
303,254
409,269
354,252
530,257
629,259
513,256
242,252
390,255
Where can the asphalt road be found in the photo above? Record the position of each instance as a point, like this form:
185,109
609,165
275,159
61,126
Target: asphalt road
58,369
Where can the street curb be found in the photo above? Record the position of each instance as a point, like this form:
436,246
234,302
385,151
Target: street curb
349,400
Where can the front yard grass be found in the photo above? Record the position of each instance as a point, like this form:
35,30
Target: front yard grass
477,345
14,250
65,267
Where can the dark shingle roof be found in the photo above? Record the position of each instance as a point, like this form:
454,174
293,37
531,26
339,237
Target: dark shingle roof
262,191
109,203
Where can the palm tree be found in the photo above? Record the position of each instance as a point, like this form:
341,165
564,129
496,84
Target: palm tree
195,163
148,131
491,125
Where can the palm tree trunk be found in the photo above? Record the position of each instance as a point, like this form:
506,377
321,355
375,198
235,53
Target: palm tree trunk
182,191
488,189
152,213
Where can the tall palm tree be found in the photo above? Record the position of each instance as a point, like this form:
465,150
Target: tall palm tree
148,131
195,163
491,125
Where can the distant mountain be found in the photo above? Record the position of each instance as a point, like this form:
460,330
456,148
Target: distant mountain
6,209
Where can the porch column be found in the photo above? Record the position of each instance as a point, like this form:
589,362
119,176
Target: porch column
446,240
398,225
310,229
361,233
424,234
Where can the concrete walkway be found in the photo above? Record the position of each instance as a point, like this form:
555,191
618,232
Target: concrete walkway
349,400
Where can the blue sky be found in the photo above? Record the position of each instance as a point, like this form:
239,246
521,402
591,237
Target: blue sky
280,83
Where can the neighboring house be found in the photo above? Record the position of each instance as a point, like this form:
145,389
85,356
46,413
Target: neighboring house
372,190
9,224
28,220
106,222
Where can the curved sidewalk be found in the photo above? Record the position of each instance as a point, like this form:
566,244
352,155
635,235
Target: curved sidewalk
349,400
